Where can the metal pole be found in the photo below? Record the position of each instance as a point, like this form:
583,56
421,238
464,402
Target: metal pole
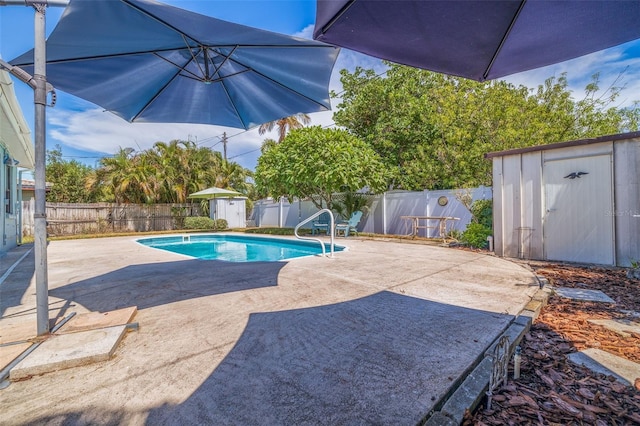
19,210
40,219
39,84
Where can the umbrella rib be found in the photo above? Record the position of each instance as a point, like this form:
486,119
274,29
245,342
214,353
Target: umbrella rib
249,68
162,21
215,80
337,16
235,108
182,67
193,56
162,89
503,41
196,77
97,57
226,58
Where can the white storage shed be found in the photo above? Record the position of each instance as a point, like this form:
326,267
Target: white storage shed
232,209
576,201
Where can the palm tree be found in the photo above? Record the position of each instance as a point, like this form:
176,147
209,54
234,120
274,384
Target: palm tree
116,172
266,144
285,124
165,173
232,175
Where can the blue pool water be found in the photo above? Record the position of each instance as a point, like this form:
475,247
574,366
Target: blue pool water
236,248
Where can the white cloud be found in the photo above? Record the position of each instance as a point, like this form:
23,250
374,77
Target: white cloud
609,63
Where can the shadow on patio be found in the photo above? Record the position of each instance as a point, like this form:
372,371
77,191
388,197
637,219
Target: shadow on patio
382,359
138,285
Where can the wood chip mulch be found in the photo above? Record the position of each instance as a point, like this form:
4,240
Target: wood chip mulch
551,389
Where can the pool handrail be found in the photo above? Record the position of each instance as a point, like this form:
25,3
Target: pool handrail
331,230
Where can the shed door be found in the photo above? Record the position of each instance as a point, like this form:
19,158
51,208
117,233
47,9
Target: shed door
578,220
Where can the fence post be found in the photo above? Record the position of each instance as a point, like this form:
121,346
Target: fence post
384,213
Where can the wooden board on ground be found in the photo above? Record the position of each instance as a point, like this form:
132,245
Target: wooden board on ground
95,320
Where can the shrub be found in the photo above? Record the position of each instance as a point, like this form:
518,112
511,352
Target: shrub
476,235
221,224
201,222
482,212
454,234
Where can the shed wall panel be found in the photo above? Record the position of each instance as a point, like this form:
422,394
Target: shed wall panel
511,199
626,210
602,148
498,210
532,205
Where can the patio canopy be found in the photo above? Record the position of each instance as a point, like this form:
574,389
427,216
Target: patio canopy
214,192
147,61
477,39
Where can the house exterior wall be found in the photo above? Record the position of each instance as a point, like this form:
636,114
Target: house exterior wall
520,213
8,204
16,149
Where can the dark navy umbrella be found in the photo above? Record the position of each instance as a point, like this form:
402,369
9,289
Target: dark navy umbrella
477,39
149,62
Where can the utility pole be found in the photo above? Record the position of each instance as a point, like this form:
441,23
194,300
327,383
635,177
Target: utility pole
224,145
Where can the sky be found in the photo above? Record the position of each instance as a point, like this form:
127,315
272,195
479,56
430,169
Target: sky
86,133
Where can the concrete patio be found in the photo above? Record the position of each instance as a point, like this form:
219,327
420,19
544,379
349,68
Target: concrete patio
380,334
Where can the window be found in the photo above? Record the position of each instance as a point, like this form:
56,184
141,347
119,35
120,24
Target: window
8,199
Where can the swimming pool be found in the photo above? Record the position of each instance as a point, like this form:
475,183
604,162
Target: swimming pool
236,248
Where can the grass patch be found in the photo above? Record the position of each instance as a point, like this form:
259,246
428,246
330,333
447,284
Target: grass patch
274,231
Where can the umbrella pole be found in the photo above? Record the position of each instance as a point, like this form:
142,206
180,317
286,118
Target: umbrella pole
40,219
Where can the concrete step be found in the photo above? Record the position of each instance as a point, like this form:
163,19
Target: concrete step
623,327
584,295
69,350
625,371
83,339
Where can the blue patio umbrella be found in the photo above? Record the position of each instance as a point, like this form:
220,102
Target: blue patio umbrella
146,61
477,39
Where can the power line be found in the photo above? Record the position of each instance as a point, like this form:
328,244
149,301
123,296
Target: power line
244,153
83,156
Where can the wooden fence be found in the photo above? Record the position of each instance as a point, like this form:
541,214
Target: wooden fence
71,219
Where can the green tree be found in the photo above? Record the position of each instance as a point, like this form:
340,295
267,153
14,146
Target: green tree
68,179
432,130
318,162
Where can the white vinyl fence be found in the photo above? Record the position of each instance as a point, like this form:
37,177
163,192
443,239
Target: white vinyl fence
384,213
